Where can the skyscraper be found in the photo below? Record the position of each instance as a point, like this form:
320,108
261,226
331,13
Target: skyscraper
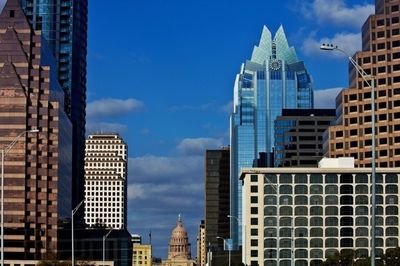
38,168
106,181
64,25
299,136
216,197
273,79
380,57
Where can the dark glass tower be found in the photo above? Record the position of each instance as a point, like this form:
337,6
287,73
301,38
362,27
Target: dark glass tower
64,25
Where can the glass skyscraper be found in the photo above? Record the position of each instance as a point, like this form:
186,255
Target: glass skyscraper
272,80
63,24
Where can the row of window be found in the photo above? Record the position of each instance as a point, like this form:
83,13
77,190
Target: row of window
108,187
329,200
285,221
109,214
329,189
320,178
317,210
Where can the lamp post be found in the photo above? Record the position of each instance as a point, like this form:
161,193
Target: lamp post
370,81
72,231
104,245
4,153
244,232
229,249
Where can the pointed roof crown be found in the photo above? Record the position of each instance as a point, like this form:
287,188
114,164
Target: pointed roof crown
277,47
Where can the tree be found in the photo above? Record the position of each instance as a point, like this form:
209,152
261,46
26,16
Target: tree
392,257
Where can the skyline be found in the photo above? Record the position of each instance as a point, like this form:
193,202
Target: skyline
204,53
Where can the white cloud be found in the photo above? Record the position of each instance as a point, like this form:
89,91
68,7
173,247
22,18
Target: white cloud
228,107
348,42
159,189
206,107
96,127
326,98
112,107
337,12
198,146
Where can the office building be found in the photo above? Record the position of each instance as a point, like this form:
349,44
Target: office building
201,245
217,196
314,212
136,239
380,57
142,255
299,136
117,246
63,24
179,250
272,80
37,169
106,181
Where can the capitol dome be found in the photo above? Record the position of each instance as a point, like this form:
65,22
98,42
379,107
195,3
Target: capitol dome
179,246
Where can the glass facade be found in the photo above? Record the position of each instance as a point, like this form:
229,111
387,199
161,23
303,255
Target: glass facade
273,79
63,24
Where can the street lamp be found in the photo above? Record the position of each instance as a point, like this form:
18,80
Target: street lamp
4,153
104,245
72,231
244,240
229,249
370,81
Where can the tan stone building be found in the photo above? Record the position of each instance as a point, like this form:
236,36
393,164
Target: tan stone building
142,255
179,253
38,167
201,245
380,57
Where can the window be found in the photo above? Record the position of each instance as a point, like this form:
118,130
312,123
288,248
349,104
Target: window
254,210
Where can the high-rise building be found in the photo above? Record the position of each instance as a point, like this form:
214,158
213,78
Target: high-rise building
63,24
308,214
37,172
106,181
201,245
273,79
299,136
217,196
380,57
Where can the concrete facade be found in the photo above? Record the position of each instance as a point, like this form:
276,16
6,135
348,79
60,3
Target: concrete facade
314,212
106,181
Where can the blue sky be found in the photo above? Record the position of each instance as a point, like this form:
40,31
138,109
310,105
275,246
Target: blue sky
173,63
161,73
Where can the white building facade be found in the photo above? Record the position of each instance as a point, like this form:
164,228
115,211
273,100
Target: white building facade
307,214
106,181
